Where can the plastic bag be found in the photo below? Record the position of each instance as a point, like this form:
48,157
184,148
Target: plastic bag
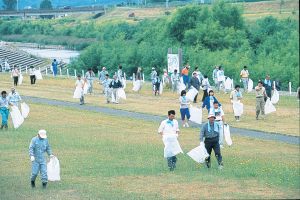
269,107
228,84
16,117
275,97
227,135
121,93
24,109
196,115
53,169
198,154
38,74
172,147
250,85
136,85
190,95
20,81
238,108
77,93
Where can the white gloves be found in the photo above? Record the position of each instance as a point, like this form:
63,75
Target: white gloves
32,158
201,143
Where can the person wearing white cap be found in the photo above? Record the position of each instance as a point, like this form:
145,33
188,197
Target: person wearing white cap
209,136
14,97
38,146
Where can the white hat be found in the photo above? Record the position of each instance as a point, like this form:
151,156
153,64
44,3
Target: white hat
153,68
43,134
211,115
103,67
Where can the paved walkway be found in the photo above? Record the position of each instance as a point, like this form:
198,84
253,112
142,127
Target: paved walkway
149,117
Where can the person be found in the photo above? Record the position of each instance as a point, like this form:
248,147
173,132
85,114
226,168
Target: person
15,74
166,79
184,109
89,77
120,73
38,146
218,112
196,84
205,87
268,86
260,93
175,79
214,75
115,84
107,91
245,78
14,97
209,137
169,130
6,64
4,109
79,86
54,67
221,78
236,96
32,74
199,74
139,77
157,82
185,74
102,75
209,100
153,76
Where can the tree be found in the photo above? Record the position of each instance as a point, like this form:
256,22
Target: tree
9,4
46,5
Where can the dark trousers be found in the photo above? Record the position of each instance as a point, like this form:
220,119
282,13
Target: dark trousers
172,162
213,144
205,94
32,79
16,79
195,99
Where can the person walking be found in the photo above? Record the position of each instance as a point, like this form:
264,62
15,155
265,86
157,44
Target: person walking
4,109
115,84
79,87
218,112
260,93
184,109
185,74
169,130
245,78
89,77
32,75
268,86
102,74
139,78
214,76
199,74
205,87
120,75
54,67
157,82
209,100
221,78
196,84
153,76
107,91
175,79
235,97
14,97
15,75
38,146
209,137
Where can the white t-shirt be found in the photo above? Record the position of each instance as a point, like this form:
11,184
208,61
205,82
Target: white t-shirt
168,127
220,75
219,113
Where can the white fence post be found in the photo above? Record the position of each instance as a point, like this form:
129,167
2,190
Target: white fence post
60,71
82,73
98,73
75,73
124,75
133,77
274,85
26,69
290,88
68,73
163,80
46,71
20,70
40,69
143,78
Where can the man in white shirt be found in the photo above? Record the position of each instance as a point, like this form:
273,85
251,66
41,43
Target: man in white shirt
89,76
245,77
175,78
169,130
32,75
221,78
218,112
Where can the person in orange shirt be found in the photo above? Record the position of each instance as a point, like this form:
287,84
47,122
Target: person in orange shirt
185,74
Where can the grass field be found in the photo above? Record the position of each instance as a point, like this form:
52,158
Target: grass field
104,157
284,120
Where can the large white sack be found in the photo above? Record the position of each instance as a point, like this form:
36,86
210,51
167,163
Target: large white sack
124,83
196,115
24,109
121,93
38,75
275,97
16,116
228,84
250,85
86,87
172,147
190,95
136,85
227,135
181,87
269,107
77,93
238,108
53,169
198,154
20,81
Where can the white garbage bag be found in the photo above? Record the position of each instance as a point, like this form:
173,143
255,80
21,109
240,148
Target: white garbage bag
53,169
227,135
124,83
190,95
136,85
20,81
275,97
181,86
24,109
86,87
238,108
228,84
269,107
121,93
172,147
16,116
38,75
198,154
250,85
78,93
196,115
161,88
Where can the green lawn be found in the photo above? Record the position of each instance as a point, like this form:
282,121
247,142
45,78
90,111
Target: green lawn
105,157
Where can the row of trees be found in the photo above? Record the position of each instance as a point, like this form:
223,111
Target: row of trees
12,4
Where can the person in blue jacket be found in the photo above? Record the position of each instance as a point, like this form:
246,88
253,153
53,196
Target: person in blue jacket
209,101
54,67
38,146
